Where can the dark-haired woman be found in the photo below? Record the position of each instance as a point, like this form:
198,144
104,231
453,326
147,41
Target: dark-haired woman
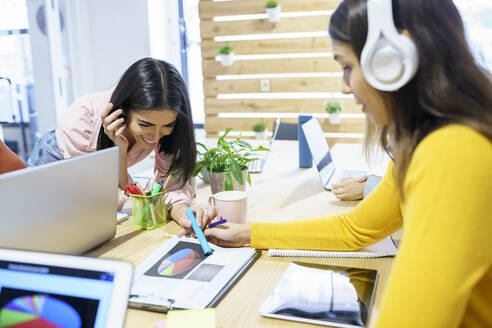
438,129
148,110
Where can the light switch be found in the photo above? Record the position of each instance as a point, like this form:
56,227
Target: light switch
264,85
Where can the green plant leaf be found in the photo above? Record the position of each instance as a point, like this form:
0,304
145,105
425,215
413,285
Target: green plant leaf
333,107
244,144
236,169
259,127
271,4
228,182
225,50
260,148
249,178
198,169
202,145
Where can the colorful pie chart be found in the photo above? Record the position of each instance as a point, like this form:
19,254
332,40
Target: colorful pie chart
179,262
38,311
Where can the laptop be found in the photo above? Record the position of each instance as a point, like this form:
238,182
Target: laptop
68,206
320,152
257,166
54,290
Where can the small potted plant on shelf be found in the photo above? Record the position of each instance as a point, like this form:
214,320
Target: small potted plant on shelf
273,10
260,130
333,108
226,164
226,55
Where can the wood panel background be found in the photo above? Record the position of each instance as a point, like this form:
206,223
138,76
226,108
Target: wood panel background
313,50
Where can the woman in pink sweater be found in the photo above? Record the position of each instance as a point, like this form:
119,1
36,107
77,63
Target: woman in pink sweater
148,110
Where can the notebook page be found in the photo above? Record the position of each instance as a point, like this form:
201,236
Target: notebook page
382,248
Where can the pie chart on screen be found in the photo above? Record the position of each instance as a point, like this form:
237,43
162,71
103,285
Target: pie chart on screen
179,262
38,311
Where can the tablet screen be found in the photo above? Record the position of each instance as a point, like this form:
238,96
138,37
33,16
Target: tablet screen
323,294
34,295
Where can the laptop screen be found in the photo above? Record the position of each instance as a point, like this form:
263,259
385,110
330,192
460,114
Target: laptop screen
33,295
319,149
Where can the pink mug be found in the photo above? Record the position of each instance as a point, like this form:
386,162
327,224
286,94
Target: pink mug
231,205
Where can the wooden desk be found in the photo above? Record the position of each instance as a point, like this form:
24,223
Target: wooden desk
281,192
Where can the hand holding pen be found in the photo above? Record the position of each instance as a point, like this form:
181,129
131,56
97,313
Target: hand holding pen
229,234
204,216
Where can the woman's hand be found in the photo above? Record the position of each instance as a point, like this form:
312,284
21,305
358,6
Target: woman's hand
350,188
114,127
203,216
229,234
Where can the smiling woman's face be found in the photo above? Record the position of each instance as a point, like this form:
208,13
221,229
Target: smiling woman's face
354,83
147,127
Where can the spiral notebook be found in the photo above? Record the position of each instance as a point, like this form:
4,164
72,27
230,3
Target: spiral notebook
385,247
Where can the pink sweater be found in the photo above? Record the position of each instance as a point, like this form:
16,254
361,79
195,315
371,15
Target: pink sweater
77,134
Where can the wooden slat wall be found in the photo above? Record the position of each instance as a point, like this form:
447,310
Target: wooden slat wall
214,88
295,45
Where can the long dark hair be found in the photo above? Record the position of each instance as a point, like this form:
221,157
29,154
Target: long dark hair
151,84
449,87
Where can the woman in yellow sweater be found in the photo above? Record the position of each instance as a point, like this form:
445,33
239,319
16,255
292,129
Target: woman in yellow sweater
421,84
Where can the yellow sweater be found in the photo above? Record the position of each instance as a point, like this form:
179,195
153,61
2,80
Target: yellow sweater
442,275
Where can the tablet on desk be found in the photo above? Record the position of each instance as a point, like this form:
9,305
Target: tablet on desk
53,290
323,294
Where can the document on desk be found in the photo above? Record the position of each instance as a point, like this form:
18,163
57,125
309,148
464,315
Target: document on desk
179,276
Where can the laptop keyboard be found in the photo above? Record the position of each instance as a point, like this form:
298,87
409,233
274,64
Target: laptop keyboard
348,173
256,166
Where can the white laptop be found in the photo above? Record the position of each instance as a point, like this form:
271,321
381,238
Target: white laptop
322,158
54,290
257,166
68,206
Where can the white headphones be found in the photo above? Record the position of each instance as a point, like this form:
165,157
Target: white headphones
389,59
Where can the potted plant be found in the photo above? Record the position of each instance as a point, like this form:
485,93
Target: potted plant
273,9
226,55
260,130
226,163
333,108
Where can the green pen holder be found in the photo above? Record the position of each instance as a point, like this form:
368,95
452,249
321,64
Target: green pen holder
149,212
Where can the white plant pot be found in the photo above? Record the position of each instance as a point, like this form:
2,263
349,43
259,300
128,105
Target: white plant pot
261,135
335,118
227,60
217,182
274,14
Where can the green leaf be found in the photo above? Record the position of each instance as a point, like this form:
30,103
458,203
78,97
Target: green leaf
202,145
226,133
249,178
225,145
244,144
260,148
198,169
228,182
247,160
236,169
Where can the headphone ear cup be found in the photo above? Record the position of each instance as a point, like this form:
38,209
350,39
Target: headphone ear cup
389,60
387,66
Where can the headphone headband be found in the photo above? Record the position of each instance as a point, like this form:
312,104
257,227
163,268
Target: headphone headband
389,59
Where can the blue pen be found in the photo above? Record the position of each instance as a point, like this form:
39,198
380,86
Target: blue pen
199,233
211,225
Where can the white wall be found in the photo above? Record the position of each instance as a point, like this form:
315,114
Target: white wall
164,31
105,38
43,85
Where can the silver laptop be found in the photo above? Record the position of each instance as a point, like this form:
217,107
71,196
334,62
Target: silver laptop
68,206
320,152
257,166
